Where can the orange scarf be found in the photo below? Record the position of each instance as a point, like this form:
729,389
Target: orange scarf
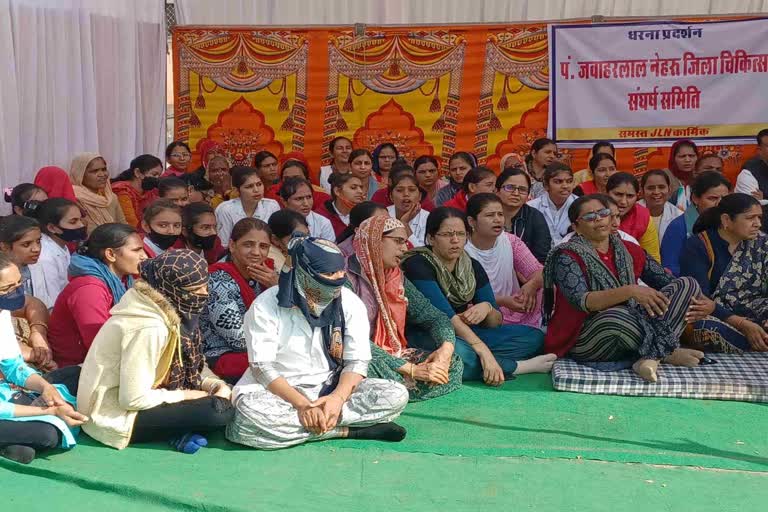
387,285
96,206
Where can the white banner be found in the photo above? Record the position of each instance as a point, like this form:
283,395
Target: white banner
649,83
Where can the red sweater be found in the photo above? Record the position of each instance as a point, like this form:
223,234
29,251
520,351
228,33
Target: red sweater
567,320
80,310
336,222
459,201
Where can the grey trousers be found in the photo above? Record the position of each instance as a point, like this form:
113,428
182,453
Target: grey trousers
265,421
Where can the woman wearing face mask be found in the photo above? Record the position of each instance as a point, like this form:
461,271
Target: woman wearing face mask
145,378
198,232
283,225
25,197
162,225
543,152
477,181
137,186
250,203
339,148
234,285
406,207
458,167
98,273
346,192
635,219
25,429
394,304
20,242
90,181
296,194
682,166
62,223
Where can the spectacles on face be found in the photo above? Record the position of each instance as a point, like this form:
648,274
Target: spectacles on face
593,216
181,155
397,239
515,189
450,235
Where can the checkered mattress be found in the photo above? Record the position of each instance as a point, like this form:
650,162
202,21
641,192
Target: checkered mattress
742,377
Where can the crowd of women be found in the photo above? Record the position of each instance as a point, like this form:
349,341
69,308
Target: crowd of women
169,302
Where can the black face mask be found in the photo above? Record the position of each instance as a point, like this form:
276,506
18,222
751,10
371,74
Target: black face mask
72,235
162,241
205,243
149,183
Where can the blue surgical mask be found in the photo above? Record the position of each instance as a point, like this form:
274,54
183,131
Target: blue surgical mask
13,300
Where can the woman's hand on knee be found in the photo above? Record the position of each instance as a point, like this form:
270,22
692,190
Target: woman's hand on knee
654,302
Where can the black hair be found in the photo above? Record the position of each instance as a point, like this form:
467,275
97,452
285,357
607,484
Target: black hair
440,215
259,158
654,172
730,205
541,143
112,235
357,152
337,180
246,225
762,133
401,165
425,159
21,194
284,222
405,170
241,173
685,144
574,211
377,151
709,155
602,144
357,215
622,178
596,159
508,173
336,140
468,158
170,183
553,169
475,176
52,211
14,227
291,185
157,207
708,180
143,163
476,203
191,213
292,162
173,145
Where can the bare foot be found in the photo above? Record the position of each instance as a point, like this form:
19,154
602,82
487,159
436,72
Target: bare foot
684,357
646,369
538,364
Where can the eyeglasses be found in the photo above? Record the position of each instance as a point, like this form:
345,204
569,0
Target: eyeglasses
397,239
593,216
520,189
181,155
452,234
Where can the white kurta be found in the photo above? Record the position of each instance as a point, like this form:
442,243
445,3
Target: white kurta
557,219
283,337
49,274
418,226
229,212
670,213
320,227
325,173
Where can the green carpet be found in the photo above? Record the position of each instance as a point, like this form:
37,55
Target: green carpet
456,456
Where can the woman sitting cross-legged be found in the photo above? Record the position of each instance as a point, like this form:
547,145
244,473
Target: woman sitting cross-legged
458,285
235,283
728,257
26,428
145,377
308,350
600,312
514,272
98,275
393,304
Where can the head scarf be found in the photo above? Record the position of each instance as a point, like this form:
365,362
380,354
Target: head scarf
55,181
319,299
682,176
520,161
95,205
458,286
387,285
82,265
207,147
173,274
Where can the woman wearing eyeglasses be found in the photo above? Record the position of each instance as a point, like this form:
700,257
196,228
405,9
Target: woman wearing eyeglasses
526,223
598,312
459,286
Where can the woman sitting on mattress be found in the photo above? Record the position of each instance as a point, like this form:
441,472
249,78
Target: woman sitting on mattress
600,312
728,257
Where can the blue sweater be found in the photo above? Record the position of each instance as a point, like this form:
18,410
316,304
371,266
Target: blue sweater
695,262
674,239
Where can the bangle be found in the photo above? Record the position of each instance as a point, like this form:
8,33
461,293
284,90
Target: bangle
412,368
41,324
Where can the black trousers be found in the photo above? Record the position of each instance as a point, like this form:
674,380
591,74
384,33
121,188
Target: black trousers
166,421
35,434
69,376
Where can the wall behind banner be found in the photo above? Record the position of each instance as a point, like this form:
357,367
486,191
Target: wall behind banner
429,89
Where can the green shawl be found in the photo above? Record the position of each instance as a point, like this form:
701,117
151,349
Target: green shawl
458,286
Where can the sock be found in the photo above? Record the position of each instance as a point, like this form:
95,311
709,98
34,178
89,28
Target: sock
187,443
18,453
381,432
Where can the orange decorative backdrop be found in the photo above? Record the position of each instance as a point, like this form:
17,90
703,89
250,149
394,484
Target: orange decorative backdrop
430,90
